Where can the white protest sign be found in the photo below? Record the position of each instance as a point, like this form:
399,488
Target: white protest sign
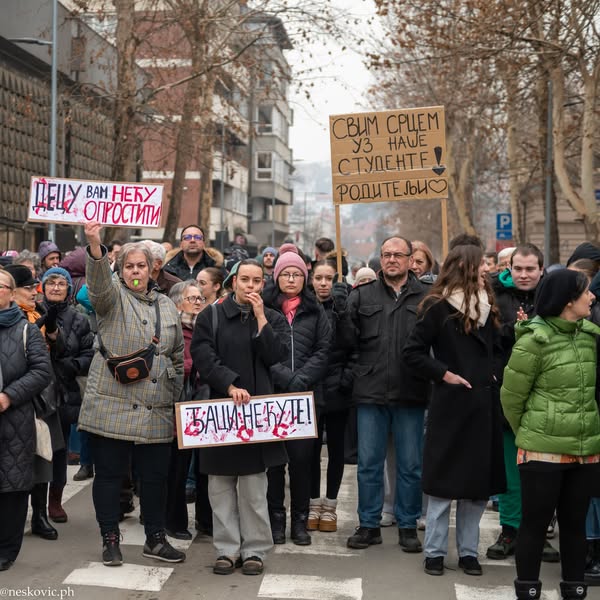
53,200
202,423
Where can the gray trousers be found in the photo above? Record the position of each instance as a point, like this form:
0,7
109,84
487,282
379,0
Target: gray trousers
240,515
468,516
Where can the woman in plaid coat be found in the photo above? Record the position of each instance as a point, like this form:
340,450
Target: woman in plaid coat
134,419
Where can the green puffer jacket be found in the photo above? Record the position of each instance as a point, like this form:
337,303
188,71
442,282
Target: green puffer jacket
548,393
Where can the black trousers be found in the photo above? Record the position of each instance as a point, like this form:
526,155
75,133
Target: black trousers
203,508
13,513
68,415
111,459
177,514
335,425
300,453
546,487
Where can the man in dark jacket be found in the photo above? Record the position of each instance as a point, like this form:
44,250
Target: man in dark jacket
515,292
233,347
192,258
390,400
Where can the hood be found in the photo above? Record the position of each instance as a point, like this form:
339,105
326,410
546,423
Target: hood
505,279
216,256
542,329
74,263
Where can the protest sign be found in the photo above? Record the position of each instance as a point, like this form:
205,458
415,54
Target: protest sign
203,423
53,200
389,155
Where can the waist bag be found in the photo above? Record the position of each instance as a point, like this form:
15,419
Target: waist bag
134,367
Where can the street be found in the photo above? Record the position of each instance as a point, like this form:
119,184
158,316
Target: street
71,567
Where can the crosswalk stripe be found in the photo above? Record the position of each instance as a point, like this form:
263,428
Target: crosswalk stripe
307,587
466,592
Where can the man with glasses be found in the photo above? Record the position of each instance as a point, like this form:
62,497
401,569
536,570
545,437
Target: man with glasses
390,399
192,258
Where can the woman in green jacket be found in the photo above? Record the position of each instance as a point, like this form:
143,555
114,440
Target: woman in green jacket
548,396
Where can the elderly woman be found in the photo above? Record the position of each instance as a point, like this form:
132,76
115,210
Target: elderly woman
24,372
135,378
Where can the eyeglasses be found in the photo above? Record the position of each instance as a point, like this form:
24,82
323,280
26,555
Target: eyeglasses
292,276
56,284
29,288
5,287
195,236
194,299
394,255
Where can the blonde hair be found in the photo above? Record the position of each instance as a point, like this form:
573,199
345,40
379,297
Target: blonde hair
11,279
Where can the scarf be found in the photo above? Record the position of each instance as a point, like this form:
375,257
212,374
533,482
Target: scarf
188,320
33,316
10,316
61,306
457,300
289,307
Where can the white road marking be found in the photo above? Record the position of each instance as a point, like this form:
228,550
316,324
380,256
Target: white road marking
126,577
304,587
466,592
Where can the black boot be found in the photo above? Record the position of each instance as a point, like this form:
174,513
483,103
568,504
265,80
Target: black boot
592,563
573,590
278,519
299,535
39,519
528,590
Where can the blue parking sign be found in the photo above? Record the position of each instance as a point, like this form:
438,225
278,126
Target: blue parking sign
504,222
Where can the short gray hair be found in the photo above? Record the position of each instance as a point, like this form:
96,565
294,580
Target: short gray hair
178,290
130,247
28,256
157,251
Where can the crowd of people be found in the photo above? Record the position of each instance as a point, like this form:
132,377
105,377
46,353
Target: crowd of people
473,381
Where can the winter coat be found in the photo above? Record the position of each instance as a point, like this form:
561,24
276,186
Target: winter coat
237,355
309,338
463,455
381,326
143,411
74,263
24,375
548,393
178,266
165,281
337,385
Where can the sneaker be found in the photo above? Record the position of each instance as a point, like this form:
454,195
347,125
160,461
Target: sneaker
504,547
387,520
470,565
421,523
550,554
550,532
84,472
364,537
252,566
158,547
184,534
434,565
111,553
409,541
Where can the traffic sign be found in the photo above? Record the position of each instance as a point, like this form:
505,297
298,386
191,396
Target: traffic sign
504,235
504,222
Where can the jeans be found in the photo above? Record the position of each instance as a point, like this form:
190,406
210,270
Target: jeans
468,516
509,503
592,521
406,426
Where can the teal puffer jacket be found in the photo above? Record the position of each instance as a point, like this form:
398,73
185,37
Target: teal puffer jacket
548,393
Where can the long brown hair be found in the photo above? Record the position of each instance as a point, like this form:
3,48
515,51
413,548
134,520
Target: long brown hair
460,272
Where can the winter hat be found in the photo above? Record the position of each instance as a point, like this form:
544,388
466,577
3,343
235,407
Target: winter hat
21,274
556,290
363,273
58,272
46,248
289,259
271,250
287,248
585,250
232,272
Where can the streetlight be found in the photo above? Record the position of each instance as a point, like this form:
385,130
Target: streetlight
53,95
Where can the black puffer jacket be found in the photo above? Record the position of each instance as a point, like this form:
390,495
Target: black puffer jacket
24,376
178,266
310,339
337,386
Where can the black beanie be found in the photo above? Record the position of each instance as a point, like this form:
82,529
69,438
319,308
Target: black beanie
585,250
556,290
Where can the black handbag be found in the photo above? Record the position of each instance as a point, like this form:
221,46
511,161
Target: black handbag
134,367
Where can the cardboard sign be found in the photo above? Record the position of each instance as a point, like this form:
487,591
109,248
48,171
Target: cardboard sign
74,201
389,155
203,423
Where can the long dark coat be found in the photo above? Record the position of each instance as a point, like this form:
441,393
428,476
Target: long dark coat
463,453
236,355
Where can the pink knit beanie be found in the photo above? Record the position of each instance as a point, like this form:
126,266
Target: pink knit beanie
289,259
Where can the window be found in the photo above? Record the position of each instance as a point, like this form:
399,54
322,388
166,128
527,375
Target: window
265,119
264,165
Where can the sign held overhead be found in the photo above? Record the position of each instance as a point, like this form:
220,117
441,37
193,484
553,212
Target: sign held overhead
389,155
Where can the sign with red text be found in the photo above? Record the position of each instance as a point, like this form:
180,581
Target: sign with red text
389,155
202,423
53,200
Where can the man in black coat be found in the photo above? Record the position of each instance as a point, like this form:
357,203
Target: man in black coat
192,258
233,347
389,398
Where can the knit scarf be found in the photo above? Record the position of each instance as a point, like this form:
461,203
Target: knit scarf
289,307
457,300
10,316
188,320
32,316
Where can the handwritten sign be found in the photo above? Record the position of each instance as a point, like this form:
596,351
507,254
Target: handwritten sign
54,200
389,155
202,423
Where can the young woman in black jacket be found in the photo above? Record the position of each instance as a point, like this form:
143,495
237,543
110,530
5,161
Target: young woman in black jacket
303,370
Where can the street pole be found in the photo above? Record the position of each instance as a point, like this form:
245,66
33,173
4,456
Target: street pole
222,189
53,103
548,208
304,236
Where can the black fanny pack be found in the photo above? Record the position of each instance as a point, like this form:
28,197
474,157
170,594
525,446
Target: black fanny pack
134,367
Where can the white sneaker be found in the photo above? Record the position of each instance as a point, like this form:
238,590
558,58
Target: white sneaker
387,520
421,524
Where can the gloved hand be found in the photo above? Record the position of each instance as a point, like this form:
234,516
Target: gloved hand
68,367
339,293
50,320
